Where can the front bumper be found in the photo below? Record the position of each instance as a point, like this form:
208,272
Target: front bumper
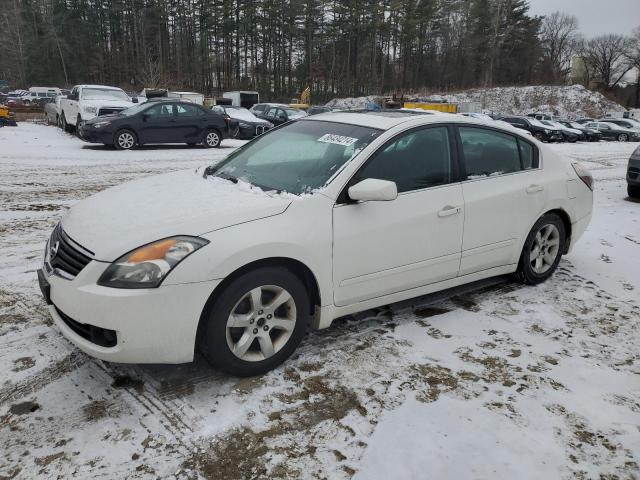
633,172
155,325
94,135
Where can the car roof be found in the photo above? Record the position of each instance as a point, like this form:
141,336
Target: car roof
103,87
387,119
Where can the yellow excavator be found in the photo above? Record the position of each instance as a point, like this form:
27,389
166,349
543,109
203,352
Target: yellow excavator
6,117
304,102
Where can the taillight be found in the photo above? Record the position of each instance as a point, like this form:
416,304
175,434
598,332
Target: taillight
584,174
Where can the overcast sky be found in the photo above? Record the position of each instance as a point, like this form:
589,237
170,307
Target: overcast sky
596,17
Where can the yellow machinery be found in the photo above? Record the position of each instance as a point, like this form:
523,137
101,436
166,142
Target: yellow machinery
440,107
6,118
304,102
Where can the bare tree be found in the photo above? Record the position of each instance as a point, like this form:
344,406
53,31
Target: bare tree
559,38
608,57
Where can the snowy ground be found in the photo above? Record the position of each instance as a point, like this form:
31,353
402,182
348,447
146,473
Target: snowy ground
493,381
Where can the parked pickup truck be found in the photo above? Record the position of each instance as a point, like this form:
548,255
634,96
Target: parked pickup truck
88,101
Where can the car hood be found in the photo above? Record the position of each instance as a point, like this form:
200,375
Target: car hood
107,103
120,219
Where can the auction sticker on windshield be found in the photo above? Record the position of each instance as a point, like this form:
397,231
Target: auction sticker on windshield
337,139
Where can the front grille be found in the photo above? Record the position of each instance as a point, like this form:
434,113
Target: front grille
109,111
260,130
97,335
66,255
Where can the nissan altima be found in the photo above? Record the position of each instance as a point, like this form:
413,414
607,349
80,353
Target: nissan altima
322,217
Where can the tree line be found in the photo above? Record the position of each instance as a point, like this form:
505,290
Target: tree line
278,47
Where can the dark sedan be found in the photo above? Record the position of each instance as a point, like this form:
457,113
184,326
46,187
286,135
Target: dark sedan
248,125
279,115
161,121
542,132
590,134
633,174
611,131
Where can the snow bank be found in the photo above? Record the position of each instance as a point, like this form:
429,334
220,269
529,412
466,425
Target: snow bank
564,101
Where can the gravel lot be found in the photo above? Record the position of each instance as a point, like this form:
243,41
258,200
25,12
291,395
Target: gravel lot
495,380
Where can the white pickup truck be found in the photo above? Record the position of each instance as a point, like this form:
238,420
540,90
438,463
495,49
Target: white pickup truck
88,101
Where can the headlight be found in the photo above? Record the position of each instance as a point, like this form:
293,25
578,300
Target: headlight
90,110
101,124
547,131
147,266
269,124
244,125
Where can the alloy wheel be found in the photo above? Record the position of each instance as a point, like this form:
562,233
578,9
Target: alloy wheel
212,139
545,249
126,140
623,137
261,323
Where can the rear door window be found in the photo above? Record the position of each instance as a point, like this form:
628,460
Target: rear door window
489,153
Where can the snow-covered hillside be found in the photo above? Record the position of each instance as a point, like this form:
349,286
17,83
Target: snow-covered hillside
570,101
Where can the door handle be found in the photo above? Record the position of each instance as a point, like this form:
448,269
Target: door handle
534,188
448,211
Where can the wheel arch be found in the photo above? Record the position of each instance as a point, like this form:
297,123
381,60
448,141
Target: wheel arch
302,271
566,220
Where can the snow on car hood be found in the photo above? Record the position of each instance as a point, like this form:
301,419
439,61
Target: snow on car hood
107,103
120,219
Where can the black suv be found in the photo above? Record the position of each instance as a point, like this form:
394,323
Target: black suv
537,129
158,121
633,174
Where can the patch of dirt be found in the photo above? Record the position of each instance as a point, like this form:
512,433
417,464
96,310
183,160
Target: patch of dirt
24,408
126,382
23,363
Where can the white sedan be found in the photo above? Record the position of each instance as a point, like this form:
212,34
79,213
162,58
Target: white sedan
320,218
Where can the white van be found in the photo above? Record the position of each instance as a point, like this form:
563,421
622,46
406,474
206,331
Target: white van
41,92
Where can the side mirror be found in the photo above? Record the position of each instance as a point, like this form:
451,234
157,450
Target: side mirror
282,117
372,190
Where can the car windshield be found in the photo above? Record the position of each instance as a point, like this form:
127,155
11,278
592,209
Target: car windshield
127,112
576,125
297,158
292,113
537,122
241,114
103,94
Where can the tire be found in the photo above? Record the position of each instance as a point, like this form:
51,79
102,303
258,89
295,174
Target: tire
58,122
633,191
78,123
212,139
536,270
623,137
65,126
124,140
258,348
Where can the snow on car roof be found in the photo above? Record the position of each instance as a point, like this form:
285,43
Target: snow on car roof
102,87
387,119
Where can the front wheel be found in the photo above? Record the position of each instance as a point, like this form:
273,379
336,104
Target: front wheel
124,140
212,139
256,323
65,126
542,250
623,137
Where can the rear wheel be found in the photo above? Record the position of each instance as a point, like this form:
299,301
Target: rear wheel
212,139
623,137
124,140
256,323
542,250
633,191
